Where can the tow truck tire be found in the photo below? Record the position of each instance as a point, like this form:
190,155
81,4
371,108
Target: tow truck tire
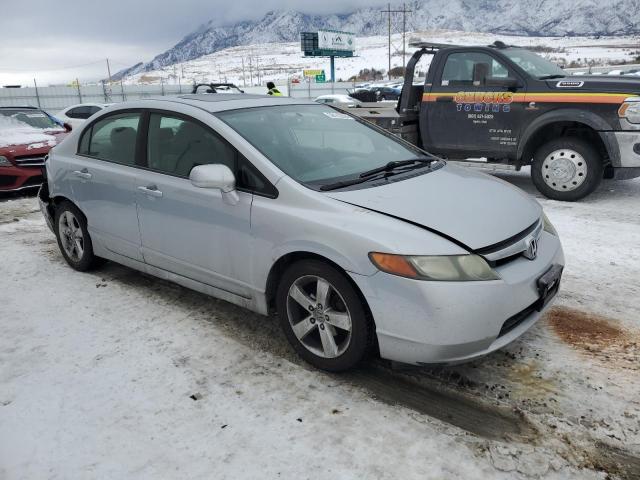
566,169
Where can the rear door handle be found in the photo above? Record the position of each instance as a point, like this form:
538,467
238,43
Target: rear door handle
84,173
151,190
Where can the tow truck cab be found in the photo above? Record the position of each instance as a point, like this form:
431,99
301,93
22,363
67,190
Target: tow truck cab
515,108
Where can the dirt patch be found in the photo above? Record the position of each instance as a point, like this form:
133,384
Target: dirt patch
529,382
597,336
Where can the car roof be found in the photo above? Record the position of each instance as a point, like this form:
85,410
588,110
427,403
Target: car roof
218,102
20,107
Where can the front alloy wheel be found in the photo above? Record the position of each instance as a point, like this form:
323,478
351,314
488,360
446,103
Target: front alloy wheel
323,316
319,316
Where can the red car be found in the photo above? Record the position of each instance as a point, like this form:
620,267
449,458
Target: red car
26,136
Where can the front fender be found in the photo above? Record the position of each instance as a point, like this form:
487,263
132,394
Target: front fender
365,268
575,115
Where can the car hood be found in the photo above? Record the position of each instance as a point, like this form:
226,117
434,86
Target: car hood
472,208
29,142
598,83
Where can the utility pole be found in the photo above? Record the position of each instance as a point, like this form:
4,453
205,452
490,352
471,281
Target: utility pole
109,70
404,35
244,79
404,12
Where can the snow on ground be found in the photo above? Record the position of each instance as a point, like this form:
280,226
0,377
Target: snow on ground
280,61
98,371
15,132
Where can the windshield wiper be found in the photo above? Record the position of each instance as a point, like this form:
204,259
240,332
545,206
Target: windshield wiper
347,183
389,167
551,77
373,173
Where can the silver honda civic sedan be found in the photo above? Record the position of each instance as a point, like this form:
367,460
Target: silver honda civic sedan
358,241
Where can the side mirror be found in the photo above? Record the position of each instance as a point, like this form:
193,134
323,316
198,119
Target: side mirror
504,82
67,127
216,176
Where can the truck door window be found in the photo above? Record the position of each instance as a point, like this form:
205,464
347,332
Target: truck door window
471,69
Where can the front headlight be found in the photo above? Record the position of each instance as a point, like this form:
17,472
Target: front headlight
630,110
548,226
444,268
4,161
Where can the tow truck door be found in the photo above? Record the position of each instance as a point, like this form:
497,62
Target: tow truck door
472,107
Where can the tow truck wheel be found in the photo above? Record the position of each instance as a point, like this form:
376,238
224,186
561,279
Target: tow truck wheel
566,169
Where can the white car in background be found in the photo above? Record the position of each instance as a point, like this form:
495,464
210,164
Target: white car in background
75,115
339,100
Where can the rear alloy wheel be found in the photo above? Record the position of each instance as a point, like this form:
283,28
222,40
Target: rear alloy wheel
323,316
73,238
566,169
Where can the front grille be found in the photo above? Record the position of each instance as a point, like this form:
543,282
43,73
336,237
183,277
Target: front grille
511,249
30,160
518,318
509,241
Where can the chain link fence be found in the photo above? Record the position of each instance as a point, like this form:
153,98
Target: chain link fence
57,98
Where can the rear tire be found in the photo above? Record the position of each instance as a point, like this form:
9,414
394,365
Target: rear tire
323,316
566,169
73,238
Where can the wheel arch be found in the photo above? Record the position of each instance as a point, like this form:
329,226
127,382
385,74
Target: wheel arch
56,200
285,261
569,122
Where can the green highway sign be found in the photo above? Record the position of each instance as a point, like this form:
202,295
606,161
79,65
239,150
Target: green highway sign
320,78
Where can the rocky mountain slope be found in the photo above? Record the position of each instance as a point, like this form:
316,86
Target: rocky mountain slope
535,17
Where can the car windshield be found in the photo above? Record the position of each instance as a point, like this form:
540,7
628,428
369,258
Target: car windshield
33,118
316,144
533,64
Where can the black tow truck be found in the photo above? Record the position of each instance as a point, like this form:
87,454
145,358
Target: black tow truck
505,107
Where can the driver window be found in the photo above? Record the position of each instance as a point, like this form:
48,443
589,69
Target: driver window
471,69
176,145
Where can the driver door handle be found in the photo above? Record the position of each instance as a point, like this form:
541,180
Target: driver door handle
151,190
444,99
84,173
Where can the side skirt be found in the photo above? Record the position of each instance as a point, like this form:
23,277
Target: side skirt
256,304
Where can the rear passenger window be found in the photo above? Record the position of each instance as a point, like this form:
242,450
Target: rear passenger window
113,138
80,112
176,145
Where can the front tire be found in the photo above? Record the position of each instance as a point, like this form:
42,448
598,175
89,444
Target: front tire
566,169
73,238
323,316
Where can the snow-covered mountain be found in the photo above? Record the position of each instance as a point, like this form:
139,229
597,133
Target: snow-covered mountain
517,17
